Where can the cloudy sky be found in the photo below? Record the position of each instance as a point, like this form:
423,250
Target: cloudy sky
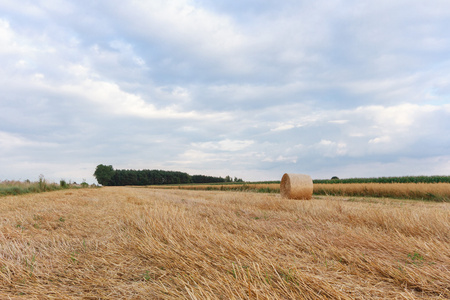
245,88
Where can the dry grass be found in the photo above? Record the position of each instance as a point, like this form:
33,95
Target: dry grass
252,187
137,243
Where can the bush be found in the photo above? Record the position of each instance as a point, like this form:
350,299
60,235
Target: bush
63,184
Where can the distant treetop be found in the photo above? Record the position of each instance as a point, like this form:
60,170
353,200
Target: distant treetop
107,176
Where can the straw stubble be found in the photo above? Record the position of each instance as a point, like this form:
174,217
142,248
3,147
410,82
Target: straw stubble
139,243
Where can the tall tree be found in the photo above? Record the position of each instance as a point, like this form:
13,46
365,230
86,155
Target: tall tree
104,174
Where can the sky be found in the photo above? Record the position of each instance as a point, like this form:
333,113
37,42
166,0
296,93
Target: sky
246,88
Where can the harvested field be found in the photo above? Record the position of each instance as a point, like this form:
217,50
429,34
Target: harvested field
140,243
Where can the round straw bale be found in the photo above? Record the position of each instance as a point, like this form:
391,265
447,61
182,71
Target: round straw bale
296,186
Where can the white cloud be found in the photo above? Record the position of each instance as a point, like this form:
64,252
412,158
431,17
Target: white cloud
381,139
281,158
282,127
331,149
112,98
6,35
224,145
185,25
339,121
197,156
10,42
10,143
397,117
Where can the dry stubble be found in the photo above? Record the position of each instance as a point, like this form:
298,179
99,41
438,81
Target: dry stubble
138,243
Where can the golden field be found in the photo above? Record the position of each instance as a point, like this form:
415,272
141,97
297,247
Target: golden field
428,191
424,191
141,243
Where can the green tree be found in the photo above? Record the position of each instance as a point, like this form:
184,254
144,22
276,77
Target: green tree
104,174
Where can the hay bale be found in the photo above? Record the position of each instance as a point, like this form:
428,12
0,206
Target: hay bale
296,186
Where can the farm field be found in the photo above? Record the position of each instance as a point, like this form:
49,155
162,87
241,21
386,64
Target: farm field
421,191
147,243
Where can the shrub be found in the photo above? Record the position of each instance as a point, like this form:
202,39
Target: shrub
63,184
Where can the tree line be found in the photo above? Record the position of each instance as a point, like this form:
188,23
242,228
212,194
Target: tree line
108,176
